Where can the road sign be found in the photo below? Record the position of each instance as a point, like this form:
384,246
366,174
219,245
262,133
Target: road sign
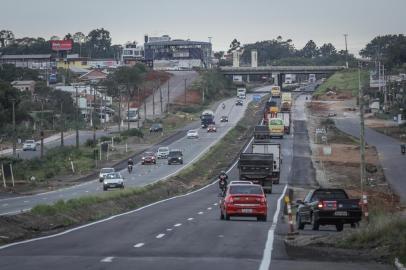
256,98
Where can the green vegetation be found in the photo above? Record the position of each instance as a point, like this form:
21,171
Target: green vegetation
343,82
386,232
214,85
133,132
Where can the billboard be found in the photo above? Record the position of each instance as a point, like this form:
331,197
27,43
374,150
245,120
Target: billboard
61,45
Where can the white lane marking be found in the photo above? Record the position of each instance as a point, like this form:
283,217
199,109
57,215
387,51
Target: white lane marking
45,198
87,191
169,229
139,245
160,235
107,259
215,204
208,208
5,204
177,224
115,216
267,255
190,219
26,201
200,213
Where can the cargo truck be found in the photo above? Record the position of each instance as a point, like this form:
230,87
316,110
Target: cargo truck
256,168
262,134
276,91
286,102
207,118
276,127
273,149
285,116
241,93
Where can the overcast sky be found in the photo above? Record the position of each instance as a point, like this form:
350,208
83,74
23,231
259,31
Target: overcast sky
248,21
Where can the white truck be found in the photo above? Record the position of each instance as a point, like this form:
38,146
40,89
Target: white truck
285,116
275,150
241,93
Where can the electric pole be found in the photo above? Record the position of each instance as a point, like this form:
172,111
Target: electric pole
139,103
185,90
160,97
346,50
362,130
167,106
77,117
13,101
153,102
42,128
92,116
62,125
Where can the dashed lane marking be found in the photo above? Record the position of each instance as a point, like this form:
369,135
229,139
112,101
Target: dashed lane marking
169,229
139,245
107,260
160,235
208,208
215,204
190,219
26,201
200,213
5,204
178,224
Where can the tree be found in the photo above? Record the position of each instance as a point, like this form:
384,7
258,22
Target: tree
310,50
327,50
54,38
6,38
68,36
7,94
235,45
219,55
99,42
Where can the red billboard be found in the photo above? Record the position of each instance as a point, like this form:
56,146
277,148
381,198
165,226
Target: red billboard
61,45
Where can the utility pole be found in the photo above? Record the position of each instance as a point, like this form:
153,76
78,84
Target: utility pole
119,110
385,97
139,103
160,97
185,90
77,117
128,107
362,130
145,104
153,102
167,106
92,116
346,50
42,128
13,101
62,125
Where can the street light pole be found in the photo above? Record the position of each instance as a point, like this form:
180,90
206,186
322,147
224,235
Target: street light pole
62,125
13,101
185,90
362,130
42,129
77,117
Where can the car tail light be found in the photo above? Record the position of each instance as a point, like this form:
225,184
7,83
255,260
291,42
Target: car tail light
320,205
230,200
262,200
327,204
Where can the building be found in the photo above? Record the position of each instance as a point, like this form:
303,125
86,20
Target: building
74,61
165,53
132,53
24,85
32,61
94,75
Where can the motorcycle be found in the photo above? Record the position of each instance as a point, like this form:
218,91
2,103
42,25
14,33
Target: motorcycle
403,149
223,186
130,168
223,106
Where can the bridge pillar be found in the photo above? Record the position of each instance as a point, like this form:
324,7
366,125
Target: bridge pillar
280,80
254,58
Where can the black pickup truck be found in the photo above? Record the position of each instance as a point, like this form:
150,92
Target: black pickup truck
328,207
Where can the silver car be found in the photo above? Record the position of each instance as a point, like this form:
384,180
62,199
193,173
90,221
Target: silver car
113,180
162,152
30,145
192,134
104,172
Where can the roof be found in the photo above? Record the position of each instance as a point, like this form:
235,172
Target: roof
93,75
22,82
25,56
177,42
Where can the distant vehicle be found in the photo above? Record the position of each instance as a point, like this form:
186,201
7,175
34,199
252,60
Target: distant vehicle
244,200
331,114
237,78
286,102
276,127
175,156
192,134
211,128
275,150
148,158
257,168
224,118
113,180
285,116
104,172
132,115
262,134
156,127
275,91
241,93
162,152
328,207
207,118
29,145
239,102
312,78
241,183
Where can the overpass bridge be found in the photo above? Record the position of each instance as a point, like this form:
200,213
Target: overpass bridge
267,70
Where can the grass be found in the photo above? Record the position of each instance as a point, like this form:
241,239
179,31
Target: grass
386,232
343,82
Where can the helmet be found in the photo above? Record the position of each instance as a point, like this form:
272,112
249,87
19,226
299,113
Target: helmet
222,172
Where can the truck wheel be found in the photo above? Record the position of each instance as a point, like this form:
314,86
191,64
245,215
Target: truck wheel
339,227
315,224
299,223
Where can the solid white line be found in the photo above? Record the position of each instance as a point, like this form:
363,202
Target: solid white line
115,216
215,204
200,213
208,208
138,245
160,235
190,219
178,224
267,255
107,259
26,201
169,229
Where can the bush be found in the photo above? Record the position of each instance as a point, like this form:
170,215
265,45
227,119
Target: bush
191,109
90,143
133,132
105,138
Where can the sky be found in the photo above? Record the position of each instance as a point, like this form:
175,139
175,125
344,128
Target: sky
249,21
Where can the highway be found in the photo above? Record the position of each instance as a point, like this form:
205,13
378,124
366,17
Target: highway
142,174
184,232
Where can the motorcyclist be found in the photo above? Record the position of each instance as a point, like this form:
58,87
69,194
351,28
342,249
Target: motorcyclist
130,164
223,182
403,148
223,105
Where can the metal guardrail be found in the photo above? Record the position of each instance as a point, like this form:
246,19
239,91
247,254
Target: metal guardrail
284,68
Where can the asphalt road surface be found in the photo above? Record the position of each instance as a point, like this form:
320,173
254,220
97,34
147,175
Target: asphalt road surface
184,232
142,174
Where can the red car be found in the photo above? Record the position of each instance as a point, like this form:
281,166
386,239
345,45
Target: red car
244,200
148,158
211,128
